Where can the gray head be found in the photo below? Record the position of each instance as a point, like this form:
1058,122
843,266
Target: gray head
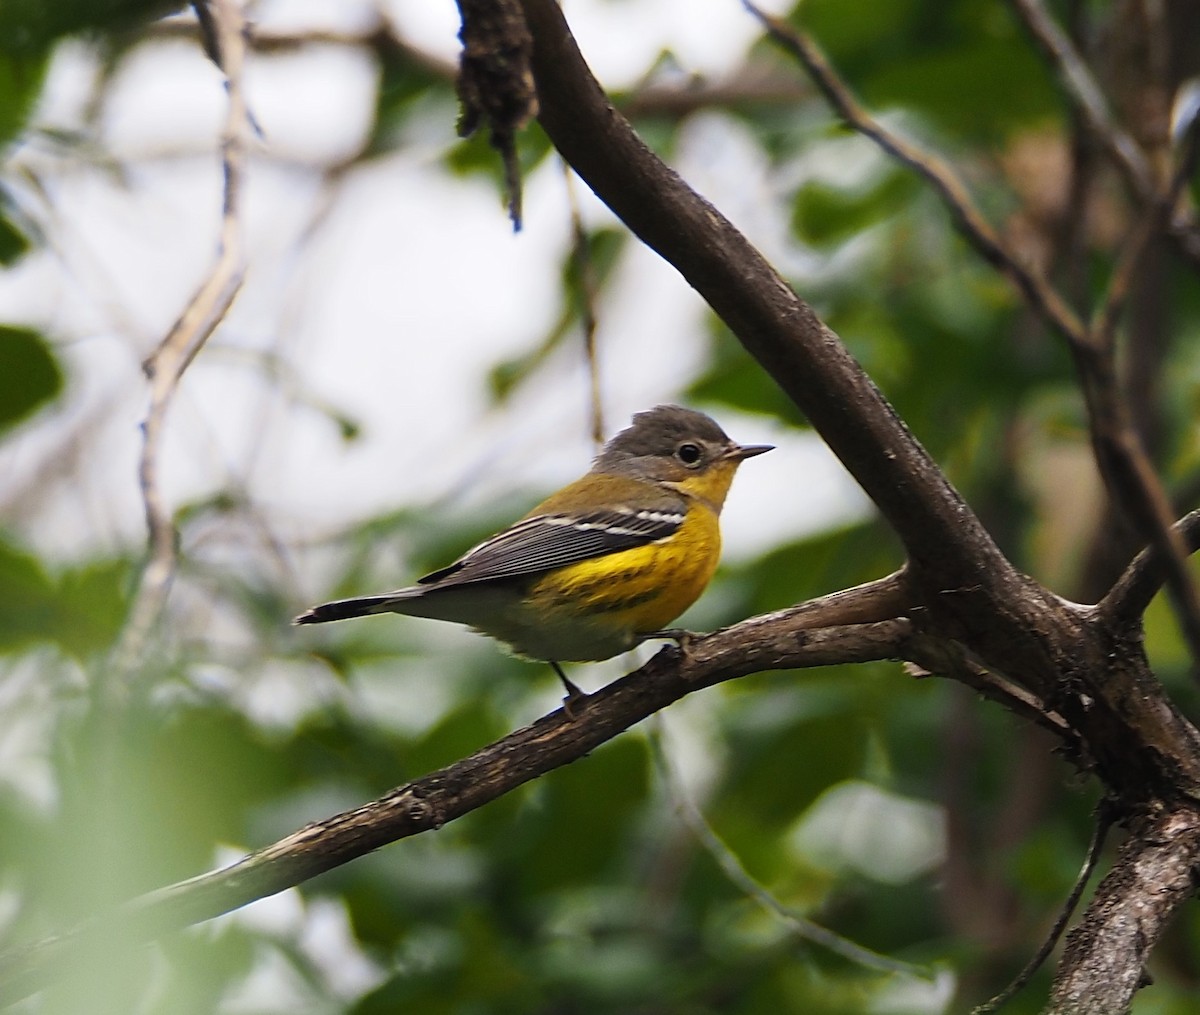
670,442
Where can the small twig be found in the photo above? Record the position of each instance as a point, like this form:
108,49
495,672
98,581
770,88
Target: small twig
166,365
1126,467
928,656
1160,212
1039,293
1129,597
1133,483
584,277
1104,819
1083,91
741,878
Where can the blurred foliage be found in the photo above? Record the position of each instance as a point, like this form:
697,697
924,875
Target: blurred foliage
586,892
29,374
31,27
13,242
590,267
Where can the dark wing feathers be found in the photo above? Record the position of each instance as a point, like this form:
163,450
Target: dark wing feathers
545,542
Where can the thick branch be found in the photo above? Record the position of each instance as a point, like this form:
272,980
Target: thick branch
787,639
1123,462
1154,874
948,546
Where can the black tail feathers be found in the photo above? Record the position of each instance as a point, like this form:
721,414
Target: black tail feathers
342,609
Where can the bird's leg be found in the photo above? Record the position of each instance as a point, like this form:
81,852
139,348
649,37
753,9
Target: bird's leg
574,694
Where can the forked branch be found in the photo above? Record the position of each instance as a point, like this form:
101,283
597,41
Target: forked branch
1128,473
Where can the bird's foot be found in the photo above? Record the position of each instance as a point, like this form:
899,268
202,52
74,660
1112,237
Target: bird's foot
574,695
681,637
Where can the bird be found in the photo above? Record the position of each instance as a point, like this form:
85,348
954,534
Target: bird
598,567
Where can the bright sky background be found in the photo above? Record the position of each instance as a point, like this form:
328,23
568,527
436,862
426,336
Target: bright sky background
391,303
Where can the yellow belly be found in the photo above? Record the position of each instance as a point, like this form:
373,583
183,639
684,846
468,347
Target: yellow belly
607,602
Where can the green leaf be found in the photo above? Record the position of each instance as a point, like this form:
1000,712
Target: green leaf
403,82
29,374
27,599
28,28
824,215
583,815
13,242
972,72
81,611
871,21
21,77
92,603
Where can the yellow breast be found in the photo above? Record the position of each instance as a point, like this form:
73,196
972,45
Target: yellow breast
620,596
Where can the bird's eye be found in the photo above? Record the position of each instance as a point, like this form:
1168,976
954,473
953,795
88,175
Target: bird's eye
688,453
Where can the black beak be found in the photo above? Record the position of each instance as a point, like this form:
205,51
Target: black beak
740,452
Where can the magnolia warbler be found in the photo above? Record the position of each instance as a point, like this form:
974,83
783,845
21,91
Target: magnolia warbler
603,564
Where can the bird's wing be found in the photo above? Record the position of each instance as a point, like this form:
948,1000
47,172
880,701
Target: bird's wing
549,541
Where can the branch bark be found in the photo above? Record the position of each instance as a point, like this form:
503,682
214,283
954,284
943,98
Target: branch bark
1105,956
1128,599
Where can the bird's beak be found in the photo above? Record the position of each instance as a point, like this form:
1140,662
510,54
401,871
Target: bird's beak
740,452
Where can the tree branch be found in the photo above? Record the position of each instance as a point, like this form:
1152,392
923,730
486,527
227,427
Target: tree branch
1128,599
976,229
1105,956
1122,460
736,873
783,640
1085,94
952,554
1100,828
166,365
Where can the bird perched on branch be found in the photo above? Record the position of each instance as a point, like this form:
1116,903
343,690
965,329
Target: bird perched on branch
603,564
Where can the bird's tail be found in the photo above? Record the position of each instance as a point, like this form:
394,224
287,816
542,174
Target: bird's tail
344,609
